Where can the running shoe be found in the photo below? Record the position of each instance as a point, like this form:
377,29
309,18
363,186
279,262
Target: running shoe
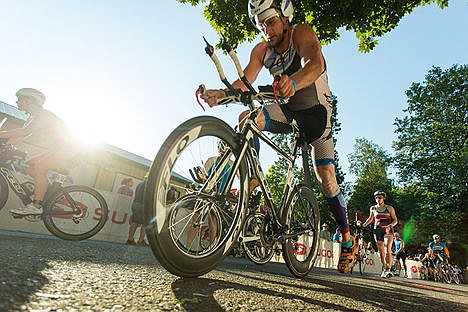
346,262
29,209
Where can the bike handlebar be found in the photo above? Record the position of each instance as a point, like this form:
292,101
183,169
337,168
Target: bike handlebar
236,95
240,96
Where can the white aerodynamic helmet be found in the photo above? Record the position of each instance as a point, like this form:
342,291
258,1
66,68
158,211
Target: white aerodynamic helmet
37,96
268,8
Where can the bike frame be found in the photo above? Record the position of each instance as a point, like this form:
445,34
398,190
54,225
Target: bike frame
24,194
247,151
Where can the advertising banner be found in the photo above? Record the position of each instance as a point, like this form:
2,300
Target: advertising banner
116,231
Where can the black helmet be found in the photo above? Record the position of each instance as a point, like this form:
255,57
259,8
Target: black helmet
380,193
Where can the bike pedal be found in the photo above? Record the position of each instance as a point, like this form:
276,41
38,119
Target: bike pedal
33,218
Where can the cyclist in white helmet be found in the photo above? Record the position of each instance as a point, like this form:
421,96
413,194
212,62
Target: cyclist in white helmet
48,131
293,53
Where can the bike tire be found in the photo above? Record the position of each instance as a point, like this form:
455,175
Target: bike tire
255,251
174,230
75,227
423,273
364,263
446,275
4,191
438,274
364,255
300,252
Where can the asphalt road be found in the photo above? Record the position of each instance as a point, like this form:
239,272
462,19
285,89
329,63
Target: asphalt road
40,273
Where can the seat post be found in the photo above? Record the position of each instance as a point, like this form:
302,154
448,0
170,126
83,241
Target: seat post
305,147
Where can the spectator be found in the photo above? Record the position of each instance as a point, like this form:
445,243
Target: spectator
325,232
384,218
171,196
137,216
337,236
126,187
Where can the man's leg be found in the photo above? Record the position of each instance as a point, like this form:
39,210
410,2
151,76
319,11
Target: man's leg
329,186
403,259
327,179
388,242
142,233
42,165
131,233
381,249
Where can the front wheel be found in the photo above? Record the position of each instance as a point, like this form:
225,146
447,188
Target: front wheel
192,235
446,275
4,190
302,236
75,212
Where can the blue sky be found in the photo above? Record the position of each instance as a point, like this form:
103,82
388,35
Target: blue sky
125,72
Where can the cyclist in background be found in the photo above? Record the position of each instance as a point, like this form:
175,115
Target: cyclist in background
400,252
384,218
44,127
292,53
436,248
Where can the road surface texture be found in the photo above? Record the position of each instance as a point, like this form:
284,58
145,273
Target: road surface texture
41,273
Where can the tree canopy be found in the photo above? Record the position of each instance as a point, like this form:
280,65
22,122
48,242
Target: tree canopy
432,150
370,164
368,19
432,139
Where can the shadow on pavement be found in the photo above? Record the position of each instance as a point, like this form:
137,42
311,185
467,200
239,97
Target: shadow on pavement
22,275
198,293
19,279
21,264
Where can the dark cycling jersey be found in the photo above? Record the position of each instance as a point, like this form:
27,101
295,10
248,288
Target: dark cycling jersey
289,63
310,106
437,248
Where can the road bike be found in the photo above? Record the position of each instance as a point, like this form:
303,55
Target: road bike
73,212
174,230
362,253
447,271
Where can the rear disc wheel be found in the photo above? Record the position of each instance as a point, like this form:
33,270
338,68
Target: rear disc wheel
302,221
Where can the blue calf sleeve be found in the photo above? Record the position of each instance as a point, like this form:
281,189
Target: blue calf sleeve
338,208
